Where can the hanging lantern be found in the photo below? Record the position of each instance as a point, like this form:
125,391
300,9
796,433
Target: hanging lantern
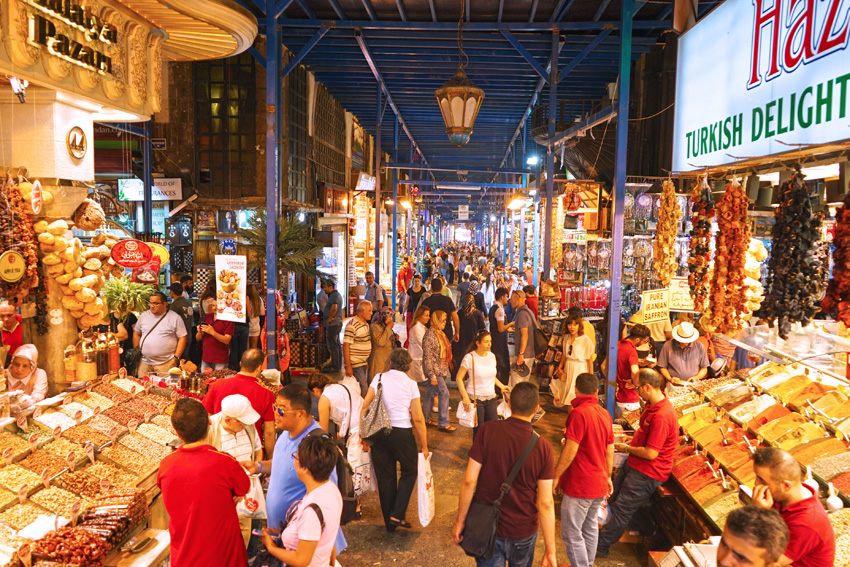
459,98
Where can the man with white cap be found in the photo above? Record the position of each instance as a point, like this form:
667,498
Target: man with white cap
231,432
683,359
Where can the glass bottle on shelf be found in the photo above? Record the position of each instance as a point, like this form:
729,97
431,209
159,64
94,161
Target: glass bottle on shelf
113,352
102,350
86,357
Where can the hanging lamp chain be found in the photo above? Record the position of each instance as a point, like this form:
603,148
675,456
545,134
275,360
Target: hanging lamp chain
463,60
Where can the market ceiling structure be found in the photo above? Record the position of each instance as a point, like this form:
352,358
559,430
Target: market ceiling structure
409,47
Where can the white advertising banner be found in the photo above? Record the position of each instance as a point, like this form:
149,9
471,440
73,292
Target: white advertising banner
762,77
230,275
463,212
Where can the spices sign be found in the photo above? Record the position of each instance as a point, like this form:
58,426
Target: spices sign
12,266
131,253
655,305
680,295
785,75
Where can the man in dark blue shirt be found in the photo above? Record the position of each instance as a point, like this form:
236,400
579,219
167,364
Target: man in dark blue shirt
499,328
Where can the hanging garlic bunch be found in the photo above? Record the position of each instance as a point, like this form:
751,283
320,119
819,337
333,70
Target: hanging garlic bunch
664,260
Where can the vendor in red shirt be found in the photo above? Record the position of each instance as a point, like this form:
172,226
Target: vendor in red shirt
779,485
628,367
247,384
584,471
215,334
650,459
10,325
198,487
531,299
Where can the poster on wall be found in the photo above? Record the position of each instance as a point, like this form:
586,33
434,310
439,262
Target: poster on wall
231,273
358,146
655,305
680,295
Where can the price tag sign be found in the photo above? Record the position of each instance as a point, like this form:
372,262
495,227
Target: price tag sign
89,388
105,485
90,451
22,493
96,411
8,453
25,555
148,416
174,396
78,416
122,372
76,508
148,386
22,423
45,478
67,400
57,431
116,399
71,459
33,441
133,391
133,425
36,413
113,434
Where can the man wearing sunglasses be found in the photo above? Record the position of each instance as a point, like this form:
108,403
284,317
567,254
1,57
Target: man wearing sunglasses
162,335
292,415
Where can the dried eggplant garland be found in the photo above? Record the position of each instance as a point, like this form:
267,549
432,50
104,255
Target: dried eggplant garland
837,298
699,260
727,305
16,234
795,269
664,260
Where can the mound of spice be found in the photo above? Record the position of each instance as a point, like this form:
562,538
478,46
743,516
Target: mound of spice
830,467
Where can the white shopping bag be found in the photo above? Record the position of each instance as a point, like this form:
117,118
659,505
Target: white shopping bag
364,472
425,491
560,390
253,505
503,410
466,418
603,514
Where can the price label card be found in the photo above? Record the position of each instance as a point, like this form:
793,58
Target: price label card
67,400
174,396
122,372
116,398
57,431
78,416
148,385
8,453
133,425
133,391
22,423
36,413
71,459
105,485
45,478
25,555
96,411
90,451
22,493
148,417
89,388
113,434
76,508
33,441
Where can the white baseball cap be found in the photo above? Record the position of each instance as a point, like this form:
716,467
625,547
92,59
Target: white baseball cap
239,407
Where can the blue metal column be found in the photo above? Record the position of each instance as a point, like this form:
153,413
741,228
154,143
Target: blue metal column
550,155
536,242
395,211
273,128
523,233
147,207
619,197
378,206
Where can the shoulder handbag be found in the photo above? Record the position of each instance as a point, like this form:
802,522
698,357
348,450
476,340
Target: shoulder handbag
375,424
482,519
135,356
541,339
265,558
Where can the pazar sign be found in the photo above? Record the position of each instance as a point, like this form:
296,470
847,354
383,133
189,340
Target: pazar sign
761,77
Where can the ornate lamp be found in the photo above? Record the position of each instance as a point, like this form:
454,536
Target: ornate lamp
459,98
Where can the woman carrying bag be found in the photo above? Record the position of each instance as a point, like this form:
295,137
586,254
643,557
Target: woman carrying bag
400,397
383,339
577,358
437,366
417,332
479,365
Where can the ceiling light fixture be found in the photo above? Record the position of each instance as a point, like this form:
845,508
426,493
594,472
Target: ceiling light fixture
517,201
19,87
406,204
459,99
532,160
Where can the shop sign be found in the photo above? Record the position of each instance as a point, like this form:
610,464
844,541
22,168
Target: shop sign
76,142
159,251
131,253
230,275
680,295
164,189
463,212
12,266
365,182
158,144
761,77
227,247
655,305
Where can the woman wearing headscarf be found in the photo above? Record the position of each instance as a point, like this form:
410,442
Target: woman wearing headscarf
471,321
25,376
383,338
437,367
489,291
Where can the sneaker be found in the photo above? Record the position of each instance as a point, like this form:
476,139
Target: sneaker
602,553
435,409
536,417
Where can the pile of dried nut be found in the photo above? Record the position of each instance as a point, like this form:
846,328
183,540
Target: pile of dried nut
110,391
140,407
71,410
61,447
40,460
84,433
57,500
156,433
116,476
79,483
51,419
20,516
74,546
44,434
17,444
165,422
145,446
13,476
104,425
122,415
94,400
130,459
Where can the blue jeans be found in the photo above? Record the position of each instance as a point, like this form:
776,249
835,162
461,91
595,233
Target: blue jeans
238,345
362,375
631,489
334,348
213,365
441,392
513,552
580,529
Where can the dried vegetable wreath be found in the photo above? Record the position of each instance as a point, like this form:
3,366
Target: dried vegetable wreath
838,292
727,302
664,260
699,261
16,234
795,269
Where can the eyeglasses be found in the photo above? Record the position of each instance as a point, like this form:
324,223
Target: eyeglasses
294,456
156,302
570,352
282,412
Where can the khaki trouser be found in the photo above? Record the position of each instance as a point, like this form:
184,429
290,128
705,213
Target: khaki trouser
245,526
145,369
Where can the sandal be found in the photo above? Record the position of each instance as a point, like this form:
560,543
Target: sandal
431,423
448,429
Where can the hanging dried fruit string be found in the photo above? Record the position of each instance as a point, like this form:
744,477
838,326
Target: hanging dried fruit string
699,261
16,234
664,260
796,268
727,305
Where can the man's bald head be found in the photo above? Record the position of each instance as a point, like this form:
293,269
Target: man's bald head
782,466
8,314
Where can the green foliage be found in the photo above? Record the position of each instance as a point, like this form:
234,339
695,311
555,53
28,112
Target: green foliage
123,296
297,250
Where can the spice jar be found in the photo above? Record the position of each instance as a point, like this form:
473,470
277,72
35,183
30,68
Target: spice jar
114,352
86,354
102,350
70,360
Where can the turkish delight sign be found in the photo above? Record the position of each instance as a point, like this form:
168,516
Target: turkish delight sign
230,275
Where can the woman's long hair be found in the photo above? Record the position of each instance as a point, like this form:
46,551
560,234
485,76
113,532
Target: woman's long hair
418,313
253,299
574,319
479,336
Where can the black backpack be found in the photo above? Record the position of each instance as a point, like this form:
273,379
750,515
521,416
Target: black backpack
344,482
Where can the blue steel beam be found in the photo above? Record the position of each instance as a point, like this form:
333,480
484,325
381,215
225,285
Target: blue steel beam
304,8
273,130
501,9
602,6
277,9
583,53
337,9
550,157
403,15
433,10
602,116
369,10
302,53
533,11
257,56
525,54
557,11
368,25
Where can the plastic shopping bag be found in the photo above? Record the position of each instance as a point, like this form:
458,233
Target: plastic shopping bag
503,410
253,505
466,418
425,491
560,389
603,515
364,472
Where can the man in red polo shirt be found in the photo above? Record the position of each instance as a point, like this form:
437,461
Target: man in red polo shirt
198,486
584,471
628,366
650,459
779,485
10,324
247,384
